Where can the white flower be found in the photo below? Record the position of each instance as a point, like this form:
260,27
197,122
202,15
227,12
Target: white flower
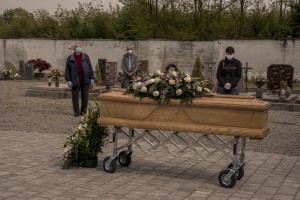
199,89
138,85
179,92
187,79
207,90
157,80
81,127
157,72
155,93
172,82
174,73
144,89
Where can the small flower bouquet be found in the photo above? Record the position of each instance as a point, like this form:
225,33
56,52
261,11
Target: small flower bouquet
55,73
169,85
87,140
6,73
260,81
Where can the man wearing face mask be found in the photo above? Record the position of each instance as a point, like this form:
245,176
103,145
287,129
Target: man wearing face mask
79,74
129,65
229,73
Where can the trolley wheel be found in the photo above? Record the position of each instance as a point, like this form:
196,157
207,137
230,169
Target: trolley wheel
239,174
124,158
110,168
227,184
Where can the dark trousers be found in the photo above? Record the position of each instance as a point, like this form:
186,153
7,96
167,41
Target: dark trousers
84,91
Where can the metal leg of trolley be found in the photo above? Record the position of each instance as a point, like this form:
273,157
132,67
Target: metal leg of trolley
227,178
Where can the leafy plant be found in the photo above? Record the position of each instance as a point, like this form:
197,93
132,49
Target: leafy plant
6,73
97,72
197,70
165,86
260,81
55,73
87,141
40,65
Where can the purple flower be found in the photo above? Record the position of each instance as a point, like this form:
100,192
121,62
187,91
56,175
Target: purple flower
164,91
165,75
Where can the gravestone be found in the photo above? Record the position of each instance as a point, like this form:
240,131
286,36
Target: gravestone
277,73
143,67
209,73
9,66
26,70
112,73
102,66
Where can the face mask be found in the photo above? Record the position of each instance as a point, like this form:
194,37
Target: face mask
78,50
129,51
229,56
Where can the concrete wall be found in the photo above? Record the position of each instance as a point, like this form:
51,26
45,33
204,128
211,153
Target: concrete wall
258,53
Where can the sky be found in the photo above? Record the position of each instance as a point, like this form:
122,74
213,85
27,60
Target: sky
49,5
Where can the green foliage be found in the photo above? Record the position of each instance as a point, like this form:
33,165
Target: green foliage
87,141
197,70
97,72
169,19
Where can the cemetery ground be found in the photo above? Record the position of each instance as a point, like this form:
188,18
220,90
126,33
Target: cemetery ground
32,134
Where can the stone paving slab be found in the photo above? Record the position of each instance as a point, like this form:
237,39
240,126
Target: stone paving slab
30,169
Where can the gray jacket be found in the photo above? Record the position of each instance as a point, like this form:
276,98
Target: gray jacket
125,63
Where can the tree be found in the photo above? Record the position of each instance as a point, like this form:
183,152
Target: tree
197,70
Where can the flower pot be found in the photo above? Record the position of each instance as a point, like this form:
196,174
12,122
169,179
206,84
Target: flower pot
259,94
288,91
90,163
56,82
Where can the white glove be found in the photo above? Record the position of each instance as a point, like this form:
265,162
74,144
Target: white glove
227,86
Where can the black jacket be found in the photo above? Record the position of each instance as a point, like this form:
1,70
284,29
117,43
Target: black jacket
229,71
71,73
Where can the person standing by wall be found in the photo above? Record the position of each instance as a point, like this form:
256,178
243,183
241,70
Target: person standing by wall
129,65
229,73
79,74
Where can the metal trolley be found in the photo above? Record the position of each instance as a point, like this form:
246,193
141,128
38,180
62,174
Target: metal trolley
203,145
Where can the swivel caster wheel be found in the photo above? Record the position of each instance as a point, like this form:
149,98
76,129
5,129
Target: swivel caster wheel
239,173
227,184
109,167
125,158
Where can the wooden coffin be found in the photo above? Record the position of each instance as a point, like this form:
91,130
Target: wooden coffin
218,114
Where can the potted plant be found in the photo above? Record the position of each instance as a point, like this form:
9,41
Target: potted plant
285,90
259,82
121,79
6,73
40,65
82,147
97,74
55,74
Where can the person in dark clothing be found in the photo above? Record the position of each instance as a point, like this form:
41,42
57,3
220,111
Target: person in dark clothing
79,74
129,65
229,73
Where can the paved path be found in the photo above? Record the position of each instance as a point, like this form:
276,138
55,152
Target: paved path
30,169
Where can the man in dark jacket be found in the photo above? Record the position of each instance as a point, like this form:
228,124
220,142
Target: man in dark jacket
129,65
229,73
79,74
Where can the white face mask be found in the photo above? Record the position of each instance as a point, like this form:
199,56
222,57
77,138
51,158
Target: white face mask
78,50
129,51
229,56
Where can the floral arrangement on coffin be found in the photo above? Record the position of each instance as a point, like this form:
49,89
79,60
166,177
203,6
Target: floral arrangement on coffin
55,73
260,81
87,140
6,73
169,85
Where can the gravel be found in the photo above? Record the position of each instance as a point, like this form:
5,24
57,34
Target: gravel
19,112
